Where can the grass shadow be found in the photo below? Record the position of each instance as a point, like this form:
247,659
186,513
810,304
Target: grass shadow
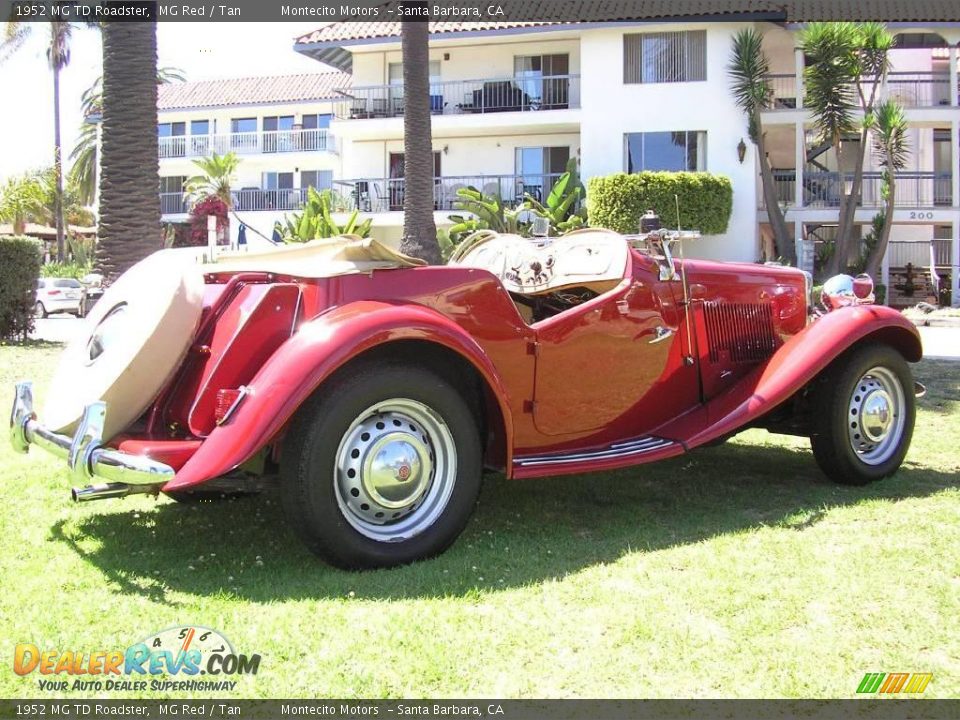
942,380
522,532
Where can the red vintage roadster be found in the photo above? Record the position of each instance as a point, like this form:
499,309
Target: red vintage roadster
375,390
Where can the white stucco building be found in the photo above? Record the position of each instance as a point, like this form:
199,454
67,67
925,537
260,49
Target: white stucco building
512,102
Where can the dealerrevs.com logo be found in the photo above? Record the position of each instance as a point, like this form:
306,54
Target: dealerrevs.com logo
170,660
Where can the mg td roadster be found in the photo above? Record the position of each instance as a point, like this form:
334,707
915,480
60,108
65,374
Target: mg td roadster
375,390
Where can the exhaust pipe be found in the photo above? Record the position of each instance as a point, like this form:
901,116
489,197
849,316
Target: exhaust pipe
111,490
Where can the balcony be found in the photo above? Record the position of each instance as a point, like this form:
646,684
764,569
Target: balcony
922,254
822,189
247,143
922,89
245,199
465,97
386,194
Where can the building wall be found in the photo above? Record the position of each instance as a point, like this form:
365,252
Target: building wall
611,109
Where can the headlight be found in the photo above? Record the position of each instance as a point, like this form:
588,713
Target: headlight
843,291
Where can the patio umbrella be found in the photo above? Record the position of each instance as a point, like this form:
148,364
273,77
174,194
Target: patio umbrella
242,235
276,236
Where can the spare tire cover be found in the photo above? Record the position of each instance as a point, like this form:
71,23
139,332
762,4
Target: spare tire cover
132,342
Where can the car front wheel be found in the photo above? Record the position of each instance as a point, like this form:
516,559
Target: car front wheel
382,467
864,412
39,311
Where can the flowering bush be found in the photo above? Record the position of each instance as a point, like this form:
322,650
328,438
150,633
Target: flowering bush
210,205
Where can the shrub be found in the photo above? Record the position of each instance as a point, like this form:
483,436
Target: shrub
617,201
19,270
67,269
210,205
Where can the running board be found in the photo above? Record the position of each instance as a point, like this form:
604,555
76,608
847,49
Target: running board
614,452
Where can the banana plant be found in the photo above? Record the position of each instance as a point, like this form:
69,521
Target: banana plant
564,209
316,221
489,213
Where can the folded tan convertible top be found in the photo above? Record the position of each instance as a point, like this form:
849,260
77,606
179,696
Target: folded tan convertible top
329,257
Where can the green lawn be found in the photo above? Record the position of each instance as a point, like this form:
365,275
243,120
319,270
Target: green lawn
734,571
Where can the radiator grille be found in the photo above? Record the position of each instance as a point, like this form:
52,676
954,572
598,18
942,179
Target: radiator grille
744,331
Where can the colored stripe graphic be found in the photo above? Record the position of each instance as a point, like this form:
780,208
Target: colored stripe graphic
918,682
894,682
870,682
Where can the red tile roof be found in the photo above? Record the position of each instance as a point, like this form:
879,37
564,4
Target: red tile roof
251,91
561,13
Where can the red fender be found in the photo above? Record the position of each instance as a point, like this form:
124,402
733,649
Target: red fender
795,364
303,362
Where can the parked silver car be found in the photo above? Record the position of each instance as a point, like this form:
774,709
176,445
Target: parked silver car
55,295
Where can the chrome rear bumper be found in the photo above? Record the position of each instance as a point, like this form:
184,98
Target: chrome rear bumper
85,454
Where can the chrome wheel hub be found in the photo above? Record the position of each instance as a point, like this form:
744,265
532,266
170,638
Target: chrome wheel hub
876,416
395,470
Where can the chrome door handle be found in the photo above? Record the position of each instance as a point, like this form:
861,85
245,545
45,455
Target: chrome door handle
660,334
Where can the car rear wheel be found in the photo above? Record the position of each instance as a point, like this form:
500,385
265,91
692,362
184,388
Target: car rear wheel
864,412
382,468
39,311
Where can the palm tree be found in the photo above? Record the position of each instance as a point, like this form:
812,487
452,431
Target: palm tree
216,178
129,228
889,134
749,69
83,157
419,229
58,56
846,63
21,201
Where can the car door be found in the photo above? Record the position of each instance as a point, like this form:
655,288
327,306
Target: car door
617,360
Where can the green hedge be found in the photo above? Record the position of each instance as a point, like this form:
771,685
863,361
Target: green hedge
617,201
19,270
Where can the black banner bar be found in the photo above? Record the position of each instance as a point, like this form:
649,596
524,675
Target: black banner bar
478,11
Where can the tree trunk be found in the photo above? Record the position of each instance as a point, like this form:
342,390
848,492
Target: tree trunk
57,165
784,246
841,248
129,227
419,230
880,249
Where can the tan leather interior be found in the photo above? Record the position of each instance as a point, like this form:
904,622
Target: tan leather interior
594,259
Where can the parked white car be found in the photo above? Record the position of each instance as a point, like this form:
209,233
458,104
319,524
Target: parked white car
56,295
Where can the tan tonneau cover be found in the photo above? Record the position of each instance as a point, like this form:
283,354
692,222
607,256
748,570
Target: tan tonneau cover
343,255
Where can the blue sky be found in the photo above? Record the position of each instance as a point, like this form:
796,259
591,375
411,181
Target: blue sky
205,51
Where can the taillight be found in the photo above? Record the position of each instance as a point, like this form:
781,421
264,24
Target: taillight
53,292
228,400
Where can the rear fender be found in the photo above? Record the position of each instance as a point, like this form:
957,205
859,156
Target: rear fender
299,366
796,363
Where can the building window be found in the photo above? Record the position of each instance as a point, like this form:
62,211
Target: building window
172,142
665,57
200,137
171,194
544,79
538,169
315,128
277,135
243,125
665,151
316,122
317,179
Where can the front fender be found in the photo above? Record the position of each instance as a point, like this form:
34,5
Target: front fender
800,360
311,355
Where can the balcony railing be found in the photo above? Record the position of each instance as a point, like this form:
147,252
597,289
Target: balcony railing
899,253
921,89
247,143
243,199
459,97
386,194
822,189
